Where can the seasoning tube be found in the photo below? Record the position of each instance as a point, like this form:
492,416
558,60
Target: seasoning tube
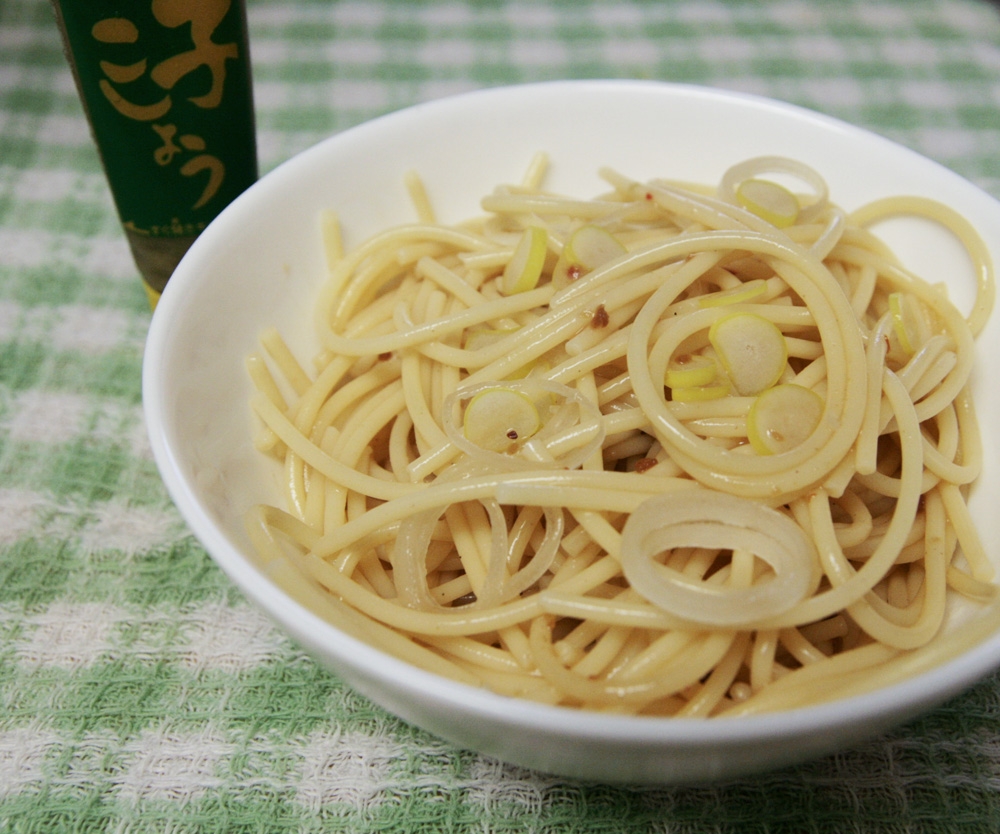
166,87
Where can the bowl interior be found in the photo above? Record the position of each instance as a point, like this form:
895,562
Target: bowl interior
261,263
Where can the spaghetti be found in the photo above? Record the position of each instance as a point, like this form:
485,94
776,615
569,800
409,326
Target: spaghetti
670,451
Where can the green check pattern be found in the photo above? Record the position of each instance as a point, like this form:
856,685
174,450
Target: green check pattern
139,692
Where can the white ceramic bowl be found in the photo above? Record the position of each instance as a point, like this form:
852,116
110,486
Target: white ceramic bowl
260,264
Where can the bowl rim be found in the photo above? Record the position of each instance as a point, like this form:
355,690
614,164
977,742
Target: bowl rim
918,692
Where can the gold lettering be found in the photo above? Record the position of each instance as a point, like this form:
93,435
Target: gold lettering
216,173
122,74
204,16
115,30
165,154
192,142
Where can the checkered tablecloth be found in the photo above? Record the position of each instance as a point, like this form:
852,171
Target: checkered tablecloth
138,690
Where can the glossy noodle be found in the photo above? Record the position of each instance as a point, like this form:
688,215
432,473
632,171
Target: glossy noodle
674,450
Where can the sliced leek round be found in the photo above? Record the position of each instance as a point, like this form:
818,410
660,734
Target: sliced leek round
498,418
688,370
747,291
526,263
699,393
769,201
752,350
782,417
592,246
587,248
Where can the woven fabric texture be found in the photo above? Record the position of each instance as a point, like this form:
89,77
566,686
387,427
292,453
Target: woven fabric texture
139,692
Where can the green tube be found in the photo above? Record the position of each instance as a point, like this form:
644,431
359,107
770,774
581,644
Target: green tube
166,87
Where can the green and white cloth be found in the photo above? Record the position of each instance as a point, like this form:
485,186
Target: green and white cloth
139,692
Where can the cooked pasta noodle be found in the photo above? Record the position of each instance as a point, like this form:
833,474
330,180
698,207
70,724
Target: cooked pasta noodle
670,451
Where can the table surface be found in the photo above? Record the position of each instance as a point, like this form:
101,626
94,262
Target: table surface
138,690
